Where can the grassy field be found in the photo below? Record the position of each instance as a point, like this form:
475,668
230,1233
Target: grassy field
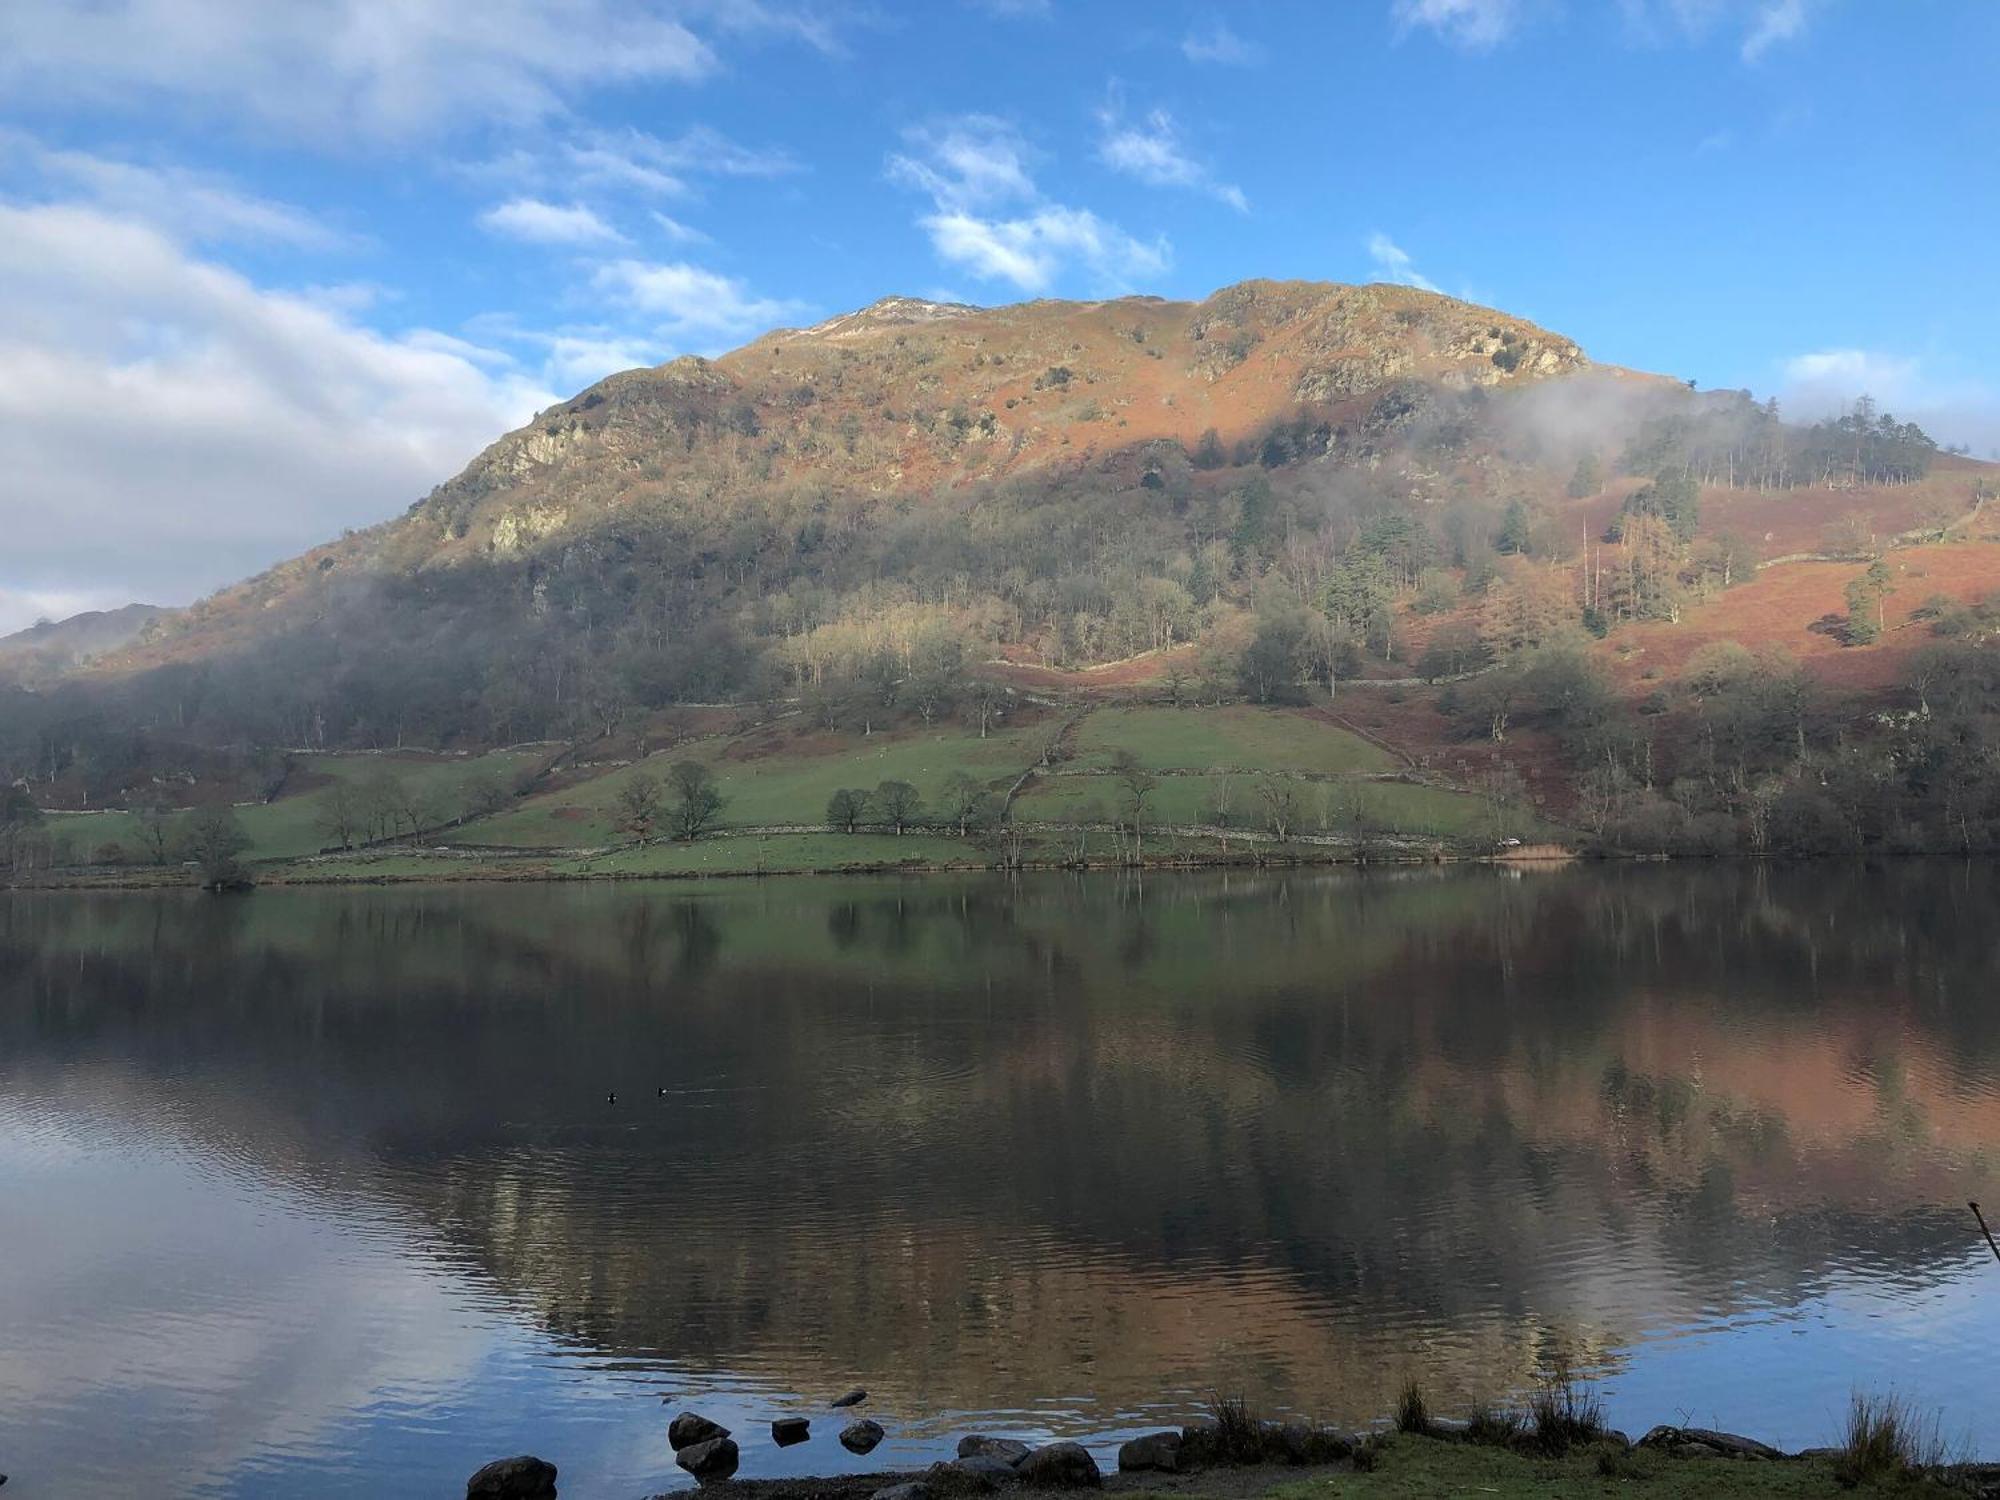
1411,1467
790,786
1234,738
780,777
1323,806
290,826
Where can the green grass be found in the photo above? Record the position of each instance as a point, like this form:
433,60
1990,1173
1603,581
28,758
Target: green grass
290,827
775,789
1236,738
1412,1467
744,854
1384,806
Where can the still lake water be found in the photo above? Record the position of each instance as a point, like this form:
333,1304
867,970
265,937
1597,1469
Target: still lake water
318,1193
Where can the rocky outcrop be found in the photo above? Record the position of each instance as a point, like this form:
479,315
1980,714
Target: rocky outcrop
523,1477
787,1431
712,1459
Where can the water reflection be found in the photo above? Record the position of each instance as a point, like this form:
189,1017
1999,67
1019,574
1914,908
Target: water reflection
326,1189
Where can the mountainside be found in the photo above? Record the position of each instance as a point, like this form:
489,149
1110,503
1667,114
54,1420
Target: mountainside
905,397
1600,594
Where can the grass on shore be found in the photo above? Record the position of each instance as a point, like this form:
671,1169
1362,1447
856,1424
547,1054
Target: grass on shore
1407,1467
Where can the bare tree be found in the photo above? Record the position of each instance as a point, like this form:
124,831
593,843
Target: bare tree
639,804
1280,797
1138,785
898,804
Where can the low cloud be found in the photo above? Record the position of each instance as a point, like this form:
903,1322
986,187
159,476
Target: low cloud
1775,22
1951,408
990,219
171,426
542,223
1393,263
1151,150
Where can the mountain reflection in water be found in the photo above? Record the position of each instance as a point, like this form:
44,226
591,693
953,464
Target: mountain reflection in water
318,1192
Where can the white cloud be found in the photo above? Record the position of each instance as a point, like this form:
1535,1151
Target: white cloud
191,205
1216,43
1151,151
1032,249
690,303
1393,263
990,219
1473,24
679,233
1775,21
334,71
1951,408
1760,24
171,426
548,223
975,161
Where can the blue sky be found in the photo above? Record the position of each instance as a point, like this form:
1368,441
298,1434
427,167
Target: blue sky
267,271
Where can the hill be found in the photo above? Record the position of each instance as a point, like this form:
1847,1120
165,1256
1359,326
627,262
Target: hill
49,648
1664,618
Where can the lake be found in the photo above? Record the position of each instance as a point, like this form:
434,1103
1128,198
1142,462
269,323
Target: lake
320,1192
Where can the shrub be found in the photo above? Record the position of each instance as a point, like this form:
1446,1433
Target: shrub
1563,1413
1412,1413
1886,1439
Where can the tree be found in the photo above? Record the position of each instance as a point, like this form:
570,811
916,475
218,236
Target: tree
1138,785
1280,797
484,795
341,817
1269,669
965,802
1588,478
898,804
985,700
697,804
639,805
215,840
156,833
846,808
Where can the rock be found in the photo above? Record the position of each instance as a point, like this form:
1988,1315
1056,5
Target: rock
789,1430
1703,1442
862,1436
912,1489
690,1427
521,1478
983,1466
1061,1466
1730,1444
1159,1452
712,1458
978,1445
1452,1429
853,1398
